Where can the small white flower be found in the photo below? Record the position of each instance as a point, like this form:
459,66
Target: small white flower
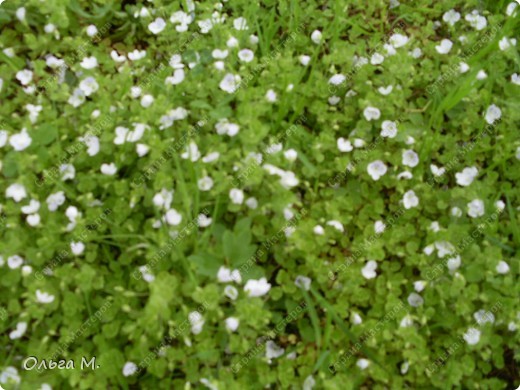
225,275
415,300
20,141
481,75
20,14
478,22
316,36
273,351
252,203
196,321
16,192
505,43
337,79
336,225
369,270
476,208
376,59
231,292
444,47
303,282
466,177
308,383
371,113
410,158
290,154
511,7
219,54
203,220
130,368
157,26
410,200
416,53
240,24
451,17
33,219
515,79
55,200
500,205
44,297
205,183
147,101
405,175
376,169
89,86
502,267
419,285
436,171
304,60
210,157
137,55
91,30
385,90
453,264
21,327
236,195
257,288
379,227
318,230
482,317
493,113
232,323
172,217
463,67
232,42
89,63
14,261
472,336
77,248
116,57
398,40
362,363
142,149
230,83
356,319
108,169
24,76
270,96
246,55
428,250
344,145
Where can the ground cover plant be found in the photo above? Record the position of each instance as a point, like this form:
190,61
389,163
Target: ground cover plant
250,195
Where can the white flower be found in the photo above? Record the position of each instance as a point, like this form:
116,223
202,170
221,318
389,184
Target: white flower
31,208
505,43
130,368
20,14
142,149
231,292
24,76
376,59
369,270
232,323
89,86
246,55
172,217
54,62
363,363
257,288
16,191
356,319
379,227
232,42
205,183
147,101
371,113
20,141
252,203
482,317
493,113
236,196
476,208
359,143
337,79
344,145
203,220
476,21
210,157
451,17
89,63
137,55
436,171
55,200
225,275
428,250
77,248
273,351
303,282
515,79
9,375
240,24
157,26
415,300
500,205
91,30
196,321
223,126
481,75
472,336
49,28
466,177
290,154
385,90
318,230
398,40
163,199
77,98
270,96
454,263
309,382
21,327
117,57
502,267
337,225
376,169
410,200
316,36
44,297
219,54
3,138
108,169
511,8
405,175
304,60
419,285
463,67
230,83
416,53
92,143
14,261
444,47
410,158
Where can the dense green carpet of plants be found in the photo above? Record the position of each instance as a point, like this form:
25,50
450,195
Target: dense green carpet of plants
250,195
